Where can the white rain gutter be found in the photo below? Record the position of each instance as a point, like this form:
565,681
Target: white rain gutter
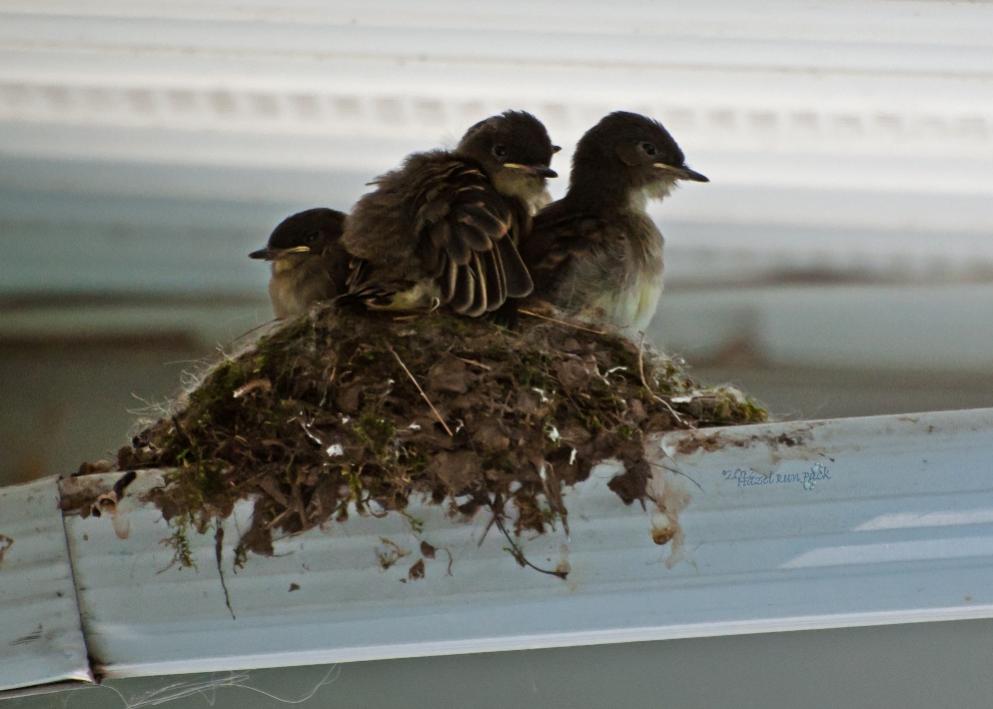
777,527
41,637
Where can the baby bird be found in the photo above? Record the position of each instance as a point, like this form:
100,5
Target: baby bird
596,254
308,260
442,230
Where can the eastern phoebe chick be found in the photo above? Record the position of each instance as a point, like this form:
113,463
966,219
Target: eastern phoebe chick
443,228
595,253
308,260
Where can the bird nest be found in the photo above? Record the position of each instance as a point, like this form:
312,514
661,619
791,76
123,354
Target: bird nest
339,412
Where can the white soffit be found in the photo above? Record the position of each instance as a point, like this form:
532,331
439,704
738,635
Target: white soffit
41,641
851,138
777,527
760,93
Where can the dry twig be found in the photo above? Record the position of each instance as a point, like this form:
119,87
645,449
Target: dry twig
218,556
644,383
474,363
424,396
518,553
557,321
245,389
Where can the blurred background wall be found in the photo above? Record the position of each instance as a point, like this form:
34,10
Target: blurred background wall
839,263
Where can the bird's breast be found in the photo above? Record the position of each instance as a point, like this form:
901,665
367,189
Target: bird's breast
632,306
633,284
294,285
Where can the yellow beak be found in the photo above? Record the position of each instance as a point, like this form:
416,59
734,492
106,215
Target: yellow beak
681,172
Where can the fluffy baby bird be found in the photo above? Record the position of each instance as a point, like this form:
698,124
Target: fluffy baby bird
596,254
308,260
442,230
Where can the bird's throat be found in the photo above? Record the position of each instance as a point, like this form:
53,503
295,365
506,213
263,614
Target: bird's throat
638,198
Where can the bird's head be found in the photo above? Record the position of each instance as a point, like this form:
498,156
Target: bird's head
633,152
515,151
302,235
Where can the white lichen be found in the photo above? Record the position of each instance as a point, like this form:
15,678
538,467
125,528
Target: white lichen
541,393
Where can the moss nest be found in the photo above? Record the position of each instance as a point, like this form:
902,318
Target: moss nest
341,412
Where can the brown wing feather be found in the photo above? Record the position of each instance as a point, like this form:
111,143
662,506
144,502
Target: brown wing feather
558,238
471,235
449,279
481,293
439,218
496,286
519,283
467,237
465,291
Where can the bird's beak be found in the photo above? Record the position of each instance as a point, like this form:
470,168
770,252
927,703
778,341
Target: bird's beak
681,172
539,170
273,254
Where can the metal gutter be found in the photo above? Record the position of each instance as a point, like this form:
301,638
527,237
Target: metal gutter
41,638
776,527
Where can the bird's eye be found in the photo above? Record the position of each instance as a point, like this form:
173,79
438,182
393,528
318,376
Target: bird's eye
312,237
648,149
499,152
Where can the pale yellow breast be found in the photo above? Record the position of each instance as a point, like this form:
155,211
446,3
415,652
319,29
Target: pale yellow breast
630,308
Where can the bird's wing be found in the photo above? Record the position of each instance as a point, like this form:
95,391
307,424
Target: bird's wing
558,240
467,239
335,257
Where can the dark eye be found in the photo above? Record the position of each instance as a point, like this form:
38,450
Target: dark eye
648,149
499,152
312,237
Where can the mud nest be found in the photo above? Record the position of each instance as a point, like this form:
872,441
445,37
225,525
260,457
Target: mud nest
339,412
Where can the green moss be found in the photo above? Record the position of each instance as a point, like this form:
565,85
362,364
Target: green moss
375,431
628,433
219,384
180,543
415,460
416,524
354,480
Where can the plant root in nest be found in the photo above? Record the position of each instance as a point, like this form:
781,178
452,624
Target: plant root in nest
341,411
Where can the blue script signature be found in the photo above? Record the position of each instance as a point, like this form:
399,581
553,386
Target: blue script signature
806,479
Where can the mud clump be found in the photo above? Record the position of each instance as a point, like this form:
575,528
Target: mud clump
341,412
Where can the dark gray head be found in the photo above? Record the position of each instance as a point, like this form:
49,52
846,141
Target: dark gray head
631,153
514,150
307,232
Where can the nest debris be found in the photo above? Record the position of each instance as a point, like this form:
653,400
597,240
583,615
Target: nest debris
341,412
